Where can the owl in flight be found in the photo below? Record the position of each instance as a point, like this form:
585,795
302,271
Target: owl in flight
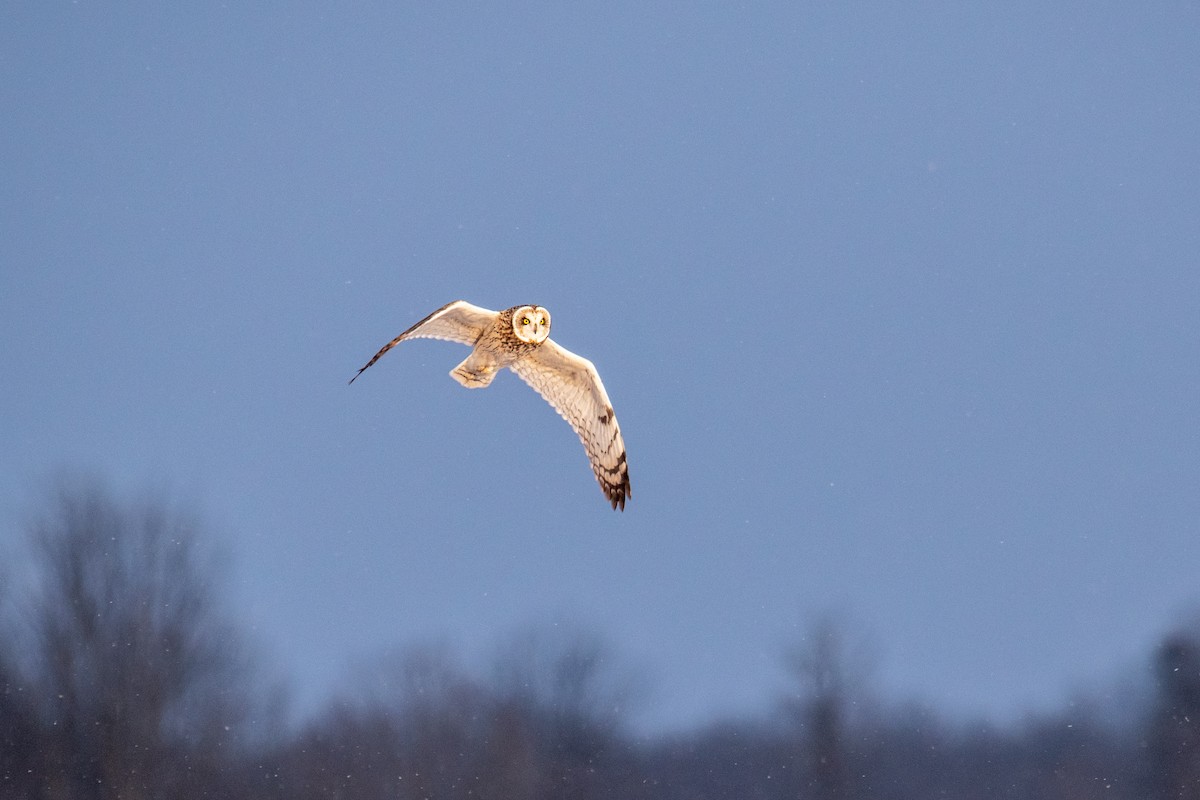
518,338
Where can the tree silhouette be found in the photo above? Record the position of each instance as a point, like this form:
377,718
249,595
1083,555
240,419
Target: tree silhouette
418,725
829,673
122,675
1175,728
20,735
141,677
432,716
560,693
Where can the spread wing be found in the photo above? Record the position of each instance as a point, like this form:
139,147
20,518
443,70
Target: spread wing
572,386
455,322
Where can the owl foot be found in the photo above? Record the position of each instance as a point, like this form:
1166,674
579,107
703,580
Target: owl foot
472,379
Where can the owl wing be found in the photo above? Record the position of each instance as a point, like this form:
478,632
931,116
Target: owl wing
572,386
454,322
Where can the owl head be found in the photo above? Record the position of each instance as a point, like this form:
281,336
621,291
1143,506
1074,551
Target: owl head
531,324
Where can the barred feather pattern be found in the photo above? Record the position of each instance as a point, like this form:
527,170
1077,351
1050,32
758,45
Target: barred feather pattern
568,382
571,385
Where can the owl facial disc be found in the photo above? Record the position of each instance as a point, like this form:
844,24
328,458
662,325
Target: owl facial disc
531,324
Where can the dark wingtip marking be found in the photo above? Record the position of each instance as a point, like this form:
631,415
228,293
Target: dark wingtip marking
400,338
616,497
615,491
364,369
619,496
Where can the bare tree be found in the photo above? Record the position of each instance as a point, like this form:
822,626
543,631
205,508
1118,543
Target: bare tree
830,671
562,699
414,725
141,675
20,735
439,715
1174,736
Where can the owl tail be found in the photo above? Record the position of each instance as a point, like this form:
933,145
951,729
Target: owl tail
473,377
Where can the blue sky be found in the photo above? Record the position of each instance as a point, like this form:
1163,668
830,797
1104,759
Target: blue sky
898,306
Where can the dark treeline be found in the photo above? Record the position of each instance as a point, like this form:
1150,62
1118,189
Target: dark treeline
122,675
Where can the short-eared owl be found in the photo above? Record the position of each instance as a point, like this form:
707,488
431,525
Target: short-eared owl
517,338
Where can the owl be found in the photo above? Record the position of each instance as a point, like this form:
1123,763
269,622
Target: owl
518,338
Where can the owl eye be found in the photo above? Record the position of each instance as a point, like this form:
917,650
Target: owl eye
525,321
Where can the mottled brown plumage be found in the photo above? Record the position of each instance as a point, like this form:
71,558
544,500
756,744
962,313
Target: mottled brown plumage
518,338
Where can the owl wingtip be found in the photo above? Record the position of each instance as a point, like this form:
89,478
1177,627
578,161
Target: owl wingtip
618,494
